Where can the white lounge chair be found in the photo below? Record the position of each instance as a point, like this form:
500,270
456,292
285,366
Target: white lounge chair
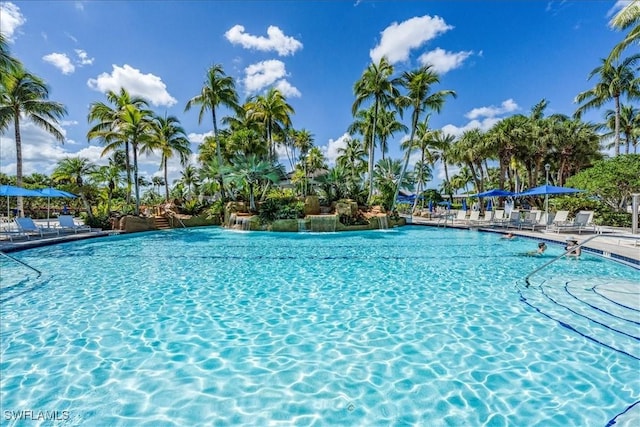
68,224
27,226
582,221
498,218
461,216
474,217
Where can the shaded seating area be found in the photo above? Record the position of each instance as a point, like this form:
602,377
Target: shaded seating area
29,228
68,224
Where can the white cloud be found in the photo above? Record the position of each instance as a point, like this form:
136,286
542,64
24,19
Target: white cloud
507,106
198,138
483,125
267,73
40,151
287,89
398,39
276,40
443,61
61,61
148,86
263,74
83,58
11,19
330,150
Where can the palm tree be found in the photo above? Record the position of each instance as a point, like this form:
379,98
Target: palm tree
352,159
615,81
388,125
250,171
23,94
189,177
107,128
628,16
218,89
134,126
418,84
273,112
442,143
75,171
168,137
111,175
7,62
376,85
629,126
424,140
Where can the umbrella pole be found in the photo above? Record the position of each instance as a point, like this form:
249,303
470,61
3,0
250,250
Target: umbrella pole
48,205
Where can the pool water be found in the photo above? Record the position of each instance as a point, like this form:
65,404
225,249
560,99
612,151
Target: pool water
413,326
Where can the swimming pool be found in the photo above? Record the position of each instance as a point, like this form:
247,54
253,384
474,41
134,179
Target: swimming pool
416,325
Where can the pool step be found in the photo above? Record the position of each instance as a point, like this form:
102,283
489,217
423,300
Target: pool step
161,223
593,311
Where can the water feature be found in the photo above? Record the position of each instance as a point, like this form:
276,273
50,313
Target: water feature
419,326
322,223
384,222
302,225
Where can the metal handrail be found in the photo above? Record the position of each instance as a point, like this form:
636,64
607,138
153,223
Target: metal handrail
580,245
22,262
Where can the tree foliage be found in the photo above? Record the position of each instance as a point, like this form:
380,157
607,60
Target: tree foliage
612,181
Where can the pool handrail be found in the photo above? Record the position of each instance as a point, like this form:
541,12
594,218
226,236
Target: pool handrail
22,262
580,245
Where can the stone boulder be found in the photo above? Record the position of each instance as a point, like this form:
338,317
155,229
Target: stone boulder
311,205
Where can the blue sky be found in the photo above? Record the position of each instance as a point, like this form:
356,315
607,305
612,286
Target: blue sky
501,57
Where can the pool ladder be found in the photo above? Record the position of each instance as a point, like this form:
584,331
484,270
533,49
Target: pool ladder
616,236
22,263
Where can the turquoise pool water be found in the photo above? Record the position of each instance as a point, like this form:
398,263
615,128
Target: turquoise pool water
414,326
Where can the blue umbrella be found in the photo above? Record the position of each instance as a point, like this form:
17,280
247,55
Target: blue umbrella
53,192
464,204
547,189
489,205
13,191
495,193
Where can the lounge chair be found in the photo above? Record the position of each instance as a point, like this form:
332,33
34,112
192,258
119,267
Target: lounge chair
514,219
582,221
27,226
498,218
560,218
68,224
474,217
461,217
530,220
485,220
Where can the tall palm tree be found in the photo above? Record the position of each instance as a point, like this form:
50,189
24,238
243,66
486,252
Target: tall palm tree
375,85
24,95
442,143
189,177
424,141
627,17
273,111
75,171
134,125
615,81
352,159
218,89
169,138
107,127
419,97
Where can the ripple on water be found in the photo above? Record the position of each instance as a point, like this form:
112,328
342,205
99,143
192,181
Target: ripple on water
414,327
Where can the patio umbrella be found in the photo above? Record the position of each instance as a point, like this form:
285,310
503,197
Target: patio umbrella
464,204
13,191
430,206
53,192
547,190
495,193
489,205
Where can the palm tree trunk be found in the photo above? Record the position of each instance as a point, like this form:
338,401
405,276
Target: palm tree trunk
127,165
617,126
218,154
135,177
166,182
372,151
407,154
16,124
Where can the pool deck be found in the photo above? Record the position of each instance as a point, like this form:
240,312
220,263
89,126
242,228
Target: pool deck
610,245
